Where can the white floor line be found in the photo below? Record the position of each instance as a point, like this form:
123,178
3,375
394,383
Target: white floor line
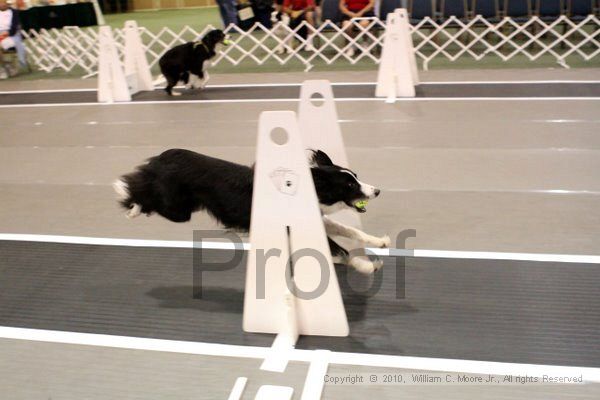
417,253
358,359
238,388
39,91
533,191
293,84
535,82
315,378
347,99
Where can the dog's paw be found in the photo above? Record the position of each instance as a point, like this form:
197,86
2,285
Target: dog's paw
134,211
377,242
366,266
175,94
377,264
384,242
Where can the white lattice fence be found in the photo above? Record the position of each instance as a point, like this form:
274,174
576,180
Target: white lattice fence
451,40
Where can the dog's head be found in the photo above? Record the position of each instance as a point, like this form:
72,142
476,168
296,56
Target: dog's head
215,37
338,187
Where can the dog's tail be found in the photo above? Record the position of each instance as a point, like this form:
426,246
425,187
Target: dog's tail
135,192
122,190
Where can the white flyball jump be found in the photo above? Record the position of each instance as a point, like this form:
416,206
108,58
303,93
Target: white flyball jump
114,83
291,285
398,74
137,70
320,130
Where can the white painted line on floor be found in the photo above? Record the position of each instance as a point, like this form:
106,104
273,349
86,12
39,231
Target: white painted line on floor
278,358
533,82
359,359
238,388
488,255
343,99
416,253
148,102
315,378
293,84
489,190
417,99
75,90
119,242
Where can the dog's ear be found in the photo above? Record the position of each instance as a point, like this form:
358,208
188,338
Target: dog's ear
320,177
320,158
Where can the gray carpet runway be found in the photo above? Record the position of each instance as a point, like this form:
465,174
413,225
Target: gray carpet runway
506,311
363,91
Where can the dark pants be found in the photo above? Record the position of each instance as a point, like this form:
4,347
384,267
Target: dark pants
263,15
228,12
302,32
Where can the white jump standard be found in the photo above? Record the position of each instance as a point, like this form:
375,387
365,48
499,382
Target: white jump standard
398,74
118,81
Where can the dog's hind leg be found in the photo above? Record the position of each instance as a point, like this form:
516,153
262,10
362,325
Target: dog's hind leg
193,84
171,82
134,211
176,215
204,80
185,78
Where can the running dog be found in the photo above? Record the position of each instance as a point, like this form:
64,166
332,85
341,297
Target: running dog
188,62
179,182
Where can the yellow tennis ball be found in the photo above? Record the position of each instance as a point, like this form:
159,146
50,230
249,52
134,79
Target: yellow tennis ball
361,204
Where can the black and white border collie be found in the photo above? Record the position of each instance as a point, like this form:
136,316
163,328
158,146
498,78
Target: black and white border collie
188,62
179,182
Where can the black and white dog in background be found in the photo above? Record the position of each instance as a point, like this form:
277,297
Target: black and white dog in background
179,182
188,62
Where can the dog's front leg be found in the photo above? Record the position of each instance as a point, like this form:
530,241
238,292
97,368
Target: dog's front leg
191,83
204,80
359,262
335,228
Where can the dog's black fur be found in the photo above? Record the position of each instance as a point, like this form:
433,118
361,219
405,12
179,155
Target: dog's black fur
179,182
179,62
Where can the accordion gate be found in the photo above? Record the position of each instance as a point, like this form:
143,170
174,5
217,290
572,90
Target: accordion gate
451,40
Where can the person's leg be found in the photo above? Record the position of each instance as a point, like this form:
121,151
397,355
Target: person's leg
348,29
309,17
363,27
21,51
302,32
294,23
222,11
3,72
231,12
228,12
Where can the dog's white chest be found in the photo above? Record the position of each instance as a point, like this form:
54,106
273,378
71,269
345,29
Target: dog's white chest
325,209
